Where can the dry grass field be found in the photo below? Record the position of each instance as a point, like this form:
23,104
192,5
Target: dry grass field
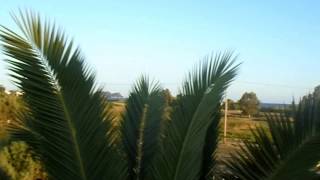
117,107
238,129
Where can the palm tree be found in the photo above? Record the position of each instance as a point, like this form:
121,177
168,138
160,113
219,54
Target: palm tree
289,151
141,126
188,151
189,137
66,125
70,131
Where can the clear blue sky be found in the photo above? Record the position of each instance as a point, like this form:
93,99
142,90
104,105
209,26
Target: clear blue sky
277,41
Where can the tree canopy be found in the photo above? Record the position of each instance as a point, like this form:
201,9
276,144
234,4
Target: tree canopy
249,103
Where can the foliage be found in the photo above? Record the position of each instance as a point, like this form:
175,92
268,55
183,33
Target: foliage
188,151
141,126
66,124
169,103
291,152
2,90
316,92
168,97
231,105
249,103
4,175
17,160
69,129
10,105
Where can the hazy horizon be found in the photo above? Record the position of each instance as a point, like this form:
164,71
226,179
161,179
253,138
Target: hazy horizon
277,42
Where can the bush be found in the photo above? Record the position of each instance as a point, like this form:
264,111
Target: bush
17,160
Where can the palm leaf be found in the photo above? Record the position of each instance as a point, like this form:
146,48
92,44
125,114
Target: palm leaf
141,126
66,124
211,143
289,151
187,143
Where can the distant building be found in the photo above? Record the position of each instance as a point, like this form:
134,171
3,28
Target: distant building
113,96
13,92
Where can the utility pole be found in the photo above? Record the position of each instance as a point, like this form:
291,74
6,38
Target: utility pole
225,121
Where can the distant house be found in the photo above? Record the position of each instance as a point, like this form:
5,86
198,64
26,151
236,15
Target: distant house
113,96
13,92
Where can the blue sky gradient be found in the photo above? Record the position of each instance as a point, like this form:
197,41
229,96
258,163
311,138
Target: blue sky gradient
278,42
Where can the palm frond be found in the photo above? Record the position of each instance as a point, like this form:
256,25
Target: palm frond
66,124
211,144
187,144
289,151
141,126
